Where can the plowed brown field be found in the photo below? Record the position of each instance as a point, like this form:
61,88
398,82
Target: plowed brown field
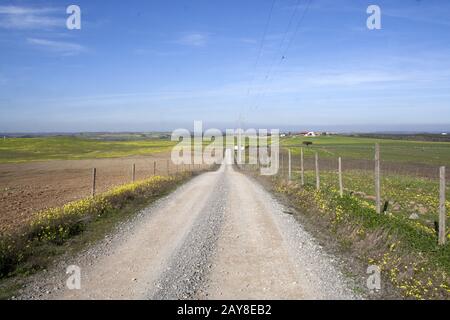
27,188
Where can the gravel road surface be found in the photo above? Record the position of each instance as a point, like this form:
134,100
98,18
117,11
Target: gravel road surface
219,236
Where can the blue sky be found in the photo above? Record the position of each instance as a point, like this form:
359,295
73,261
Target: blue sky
159,65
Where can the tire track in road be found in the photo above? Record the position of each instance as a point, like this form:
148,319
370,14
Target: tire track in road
185,277
264,253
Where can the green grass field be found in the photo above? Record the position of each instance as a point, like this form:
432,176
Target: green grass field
417,152
403,240
406,195
66,148
410,181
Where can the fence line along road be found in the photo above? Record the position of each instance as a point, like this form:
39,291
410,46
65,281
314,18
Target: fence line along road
377,174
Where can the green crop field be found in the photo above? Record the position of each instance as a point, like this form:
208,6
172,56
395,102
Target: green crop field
403,240
416,152
406,195
76,147
66,148
410,182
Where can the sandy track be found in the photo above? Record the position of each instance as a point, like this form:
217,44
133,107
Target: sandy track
219,236
252,259
263,253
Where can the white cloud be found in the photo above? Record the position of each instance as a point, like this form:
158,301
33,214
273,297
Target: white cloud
15,17
65,48
24,10
194,39
352,78
431,14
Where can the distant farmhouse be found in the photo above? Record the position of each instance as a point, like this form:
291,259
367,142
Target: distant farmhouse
305,134
309,134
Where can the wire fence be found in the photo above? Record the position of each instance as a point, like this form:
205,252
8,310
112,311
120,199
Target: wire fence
416,191
156,168
28,188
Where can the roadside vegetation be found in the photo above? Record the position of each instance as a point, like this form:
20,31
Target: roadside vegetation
406,251
403,240
69,228
411,197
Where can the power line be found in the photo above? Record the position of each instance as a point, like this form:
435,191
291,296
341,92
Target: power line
281,44
259,55
283,56
297,5
261,45
297,28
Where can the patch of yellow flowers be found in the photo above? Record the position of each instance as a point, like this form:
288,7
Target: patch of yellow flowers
58,223
410,277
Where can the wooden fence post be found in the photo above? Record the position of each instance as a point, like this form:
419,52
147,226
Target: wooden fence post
377,179
94,178
133,172
154,168
317,172
442,213
290,169
341,184
302,169
282,164
168,168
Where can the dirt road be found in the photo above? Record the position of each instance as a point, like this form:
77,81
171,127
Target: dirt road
221,235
